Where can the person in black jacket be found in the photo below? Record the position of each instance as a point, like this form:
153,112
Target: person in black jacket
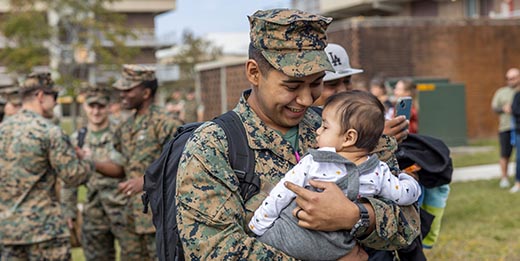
515,112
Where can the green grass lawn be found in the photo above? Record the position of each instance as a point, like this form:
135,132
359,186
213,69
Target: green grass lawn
481,222
487,152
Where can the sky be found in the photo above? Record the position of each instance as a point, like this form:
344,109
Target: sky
210,16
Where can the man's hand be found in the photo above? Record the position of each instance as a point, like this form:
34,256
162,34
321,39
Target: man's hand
397,127
131,186
506,108
329,210
70,223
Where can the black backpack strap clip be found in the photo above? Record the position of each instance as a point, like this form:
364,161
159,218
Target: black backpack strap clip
241,157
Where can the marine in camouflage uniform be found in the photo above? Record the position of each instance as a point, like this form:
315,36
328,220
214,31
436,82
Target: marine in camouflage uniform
212,217
103,214
34,153
193,109
13,101
140,140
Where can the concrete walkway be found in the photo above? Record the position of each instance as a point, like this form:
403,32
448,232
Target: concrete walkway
490,171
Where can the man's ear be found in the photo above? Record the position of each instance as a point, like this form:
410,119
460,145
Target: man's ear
40,96
253,72
350,138
147,94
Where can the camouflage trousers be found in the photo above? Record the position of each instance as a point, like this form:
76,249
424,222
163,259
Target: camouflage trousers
52,250
143,248
100,245
104,221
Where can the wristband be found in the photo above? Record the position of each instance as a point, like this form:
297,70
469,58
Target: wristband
363,223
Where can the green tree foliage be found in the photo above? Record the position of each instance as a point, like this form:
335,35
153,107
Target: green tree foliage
85,29
25,35
193,50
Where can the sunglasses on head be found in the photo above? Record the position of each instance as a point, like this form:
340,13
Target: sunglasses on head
52,93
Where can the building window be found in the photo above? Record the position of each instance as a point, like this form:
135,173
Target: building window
471,8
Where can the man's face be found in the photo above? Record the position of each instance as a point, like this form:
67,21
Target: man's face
332,87
513,78
133,98
97,114
281,100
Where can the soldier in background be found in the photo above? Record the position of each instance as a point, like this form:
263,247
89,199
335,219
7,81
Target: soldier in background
117,114
175,105
13,101
193,109
34,153
140,139
103,215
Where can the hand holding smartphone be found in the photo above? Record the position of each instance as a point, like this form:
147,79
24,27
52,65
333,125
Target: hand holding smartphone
403,107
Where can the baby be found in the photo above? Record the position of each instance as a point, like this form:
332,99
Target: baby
352,123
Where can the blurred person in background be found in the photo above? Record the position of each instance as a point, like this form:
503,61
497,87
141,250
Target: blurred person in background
501,104
103,213
340,79
378,89
13,102
140,140
175,104
193,109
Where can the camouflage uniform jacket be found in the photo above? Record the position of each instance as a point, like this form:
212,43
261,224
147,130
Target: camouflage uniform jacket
140,140
33,154
212,217
190,110
101,189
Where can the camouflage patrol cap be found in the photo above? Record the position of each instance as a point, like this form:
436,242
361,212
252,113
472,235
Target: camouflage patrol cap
133,75
12,95
96,94
38,80
292,41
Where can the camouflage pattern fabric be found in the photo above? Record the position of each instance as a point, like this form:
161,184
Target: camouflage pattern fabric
52,250
212,216
38,80
33,154
103,214
140,140
385,152
134,75
12,95
292,41
190,110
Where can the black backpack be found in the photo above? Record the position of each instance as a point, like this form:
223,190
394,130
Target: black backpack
160,180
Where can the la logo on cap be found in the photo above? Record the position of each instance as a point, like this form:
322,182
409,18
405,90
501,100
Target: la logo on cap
334,59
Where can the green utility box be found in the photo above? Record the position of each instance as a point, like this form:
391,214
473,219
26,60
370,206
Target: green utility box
442,112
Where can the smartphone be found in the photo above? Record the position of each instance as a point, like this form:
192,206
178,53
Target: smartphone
403,107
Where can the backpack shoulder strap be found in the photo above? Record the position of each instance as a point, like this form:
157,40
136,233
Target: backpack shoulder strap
241,157
82,133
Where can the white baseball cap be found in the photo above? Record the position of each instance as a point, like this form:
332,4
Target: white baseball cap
338,57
